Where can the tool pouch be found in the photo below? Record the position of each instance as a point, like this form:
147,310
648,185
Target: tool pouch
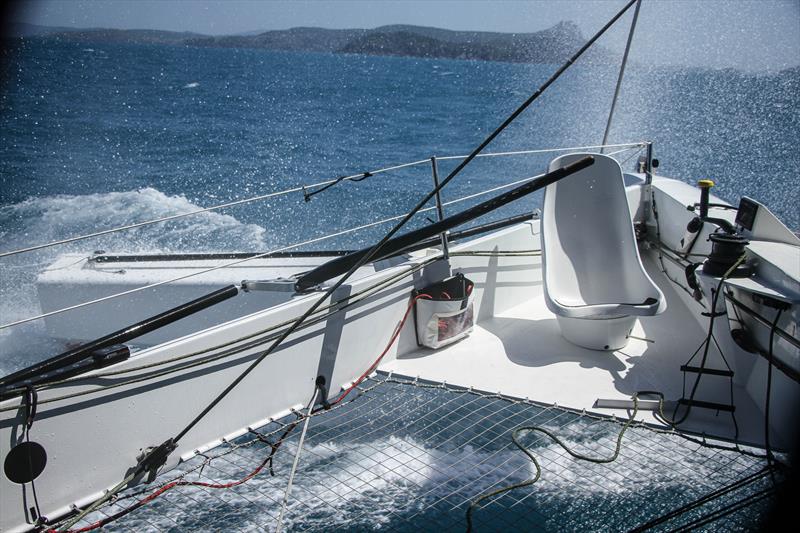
447,315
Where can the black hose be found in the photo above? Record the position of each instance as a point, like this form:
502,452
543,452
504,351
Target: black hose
769,388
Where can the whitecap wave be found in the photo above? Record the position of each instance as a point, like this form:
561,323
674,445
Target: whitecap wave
58,217
192,85
53,218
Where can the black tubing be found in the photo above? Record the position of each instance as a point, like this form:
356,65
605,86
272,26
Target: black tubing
477,230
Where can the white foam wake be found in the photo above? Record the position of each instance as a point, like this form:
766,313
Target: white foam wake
56,217
52,218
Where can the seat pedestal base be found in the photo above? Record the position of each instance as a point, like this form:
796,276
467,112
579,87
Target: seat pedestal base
597,334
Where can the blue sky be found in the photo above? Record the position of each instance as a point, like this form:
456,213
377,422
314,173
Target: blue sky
748,34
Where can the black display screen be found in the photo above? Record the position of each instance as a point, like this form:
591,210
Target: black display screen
746,214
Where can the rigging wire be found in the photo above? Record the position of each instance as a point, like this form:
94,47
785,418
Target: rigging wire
301,188
770,455
621,73
354,177
160,453
261,255
256,256
296,461
546,150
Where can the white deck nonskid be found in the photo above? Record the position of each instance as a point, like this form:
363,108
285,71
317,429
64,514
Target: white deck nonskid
521,353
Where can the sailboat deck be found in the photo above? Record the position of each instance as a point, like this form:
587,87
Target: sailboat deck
521,353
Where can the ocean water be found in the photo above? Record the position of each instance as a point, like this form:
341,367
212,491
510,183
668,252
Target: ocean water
108,135
102,136
408,459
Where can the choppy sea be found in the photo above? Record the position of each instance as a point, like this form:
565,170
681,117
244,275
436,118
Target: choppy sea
94,137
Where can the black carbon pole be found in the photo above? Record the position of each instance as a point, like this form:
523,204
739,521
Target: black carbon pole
84,351
337,266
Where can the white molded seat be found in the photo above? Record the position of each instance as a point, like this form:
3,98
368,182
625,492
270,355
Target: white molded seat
594,280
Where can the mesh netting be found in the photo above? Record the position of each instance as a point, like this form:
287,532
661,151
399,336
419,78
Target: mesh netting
405,456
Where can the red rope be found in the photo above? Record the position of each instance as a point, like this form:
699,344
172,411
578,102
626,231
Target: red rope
248,477
385,350
162,490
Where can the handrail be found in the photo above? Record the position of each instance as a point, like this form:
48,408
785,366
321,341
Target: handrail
257,256
300,188
548,150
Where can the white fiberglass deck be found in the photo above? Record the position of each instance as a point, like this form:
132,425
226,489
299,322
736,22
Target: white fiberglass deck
521,353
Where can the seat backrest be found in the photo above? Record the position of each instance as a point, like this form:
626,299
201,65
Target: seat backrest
590,256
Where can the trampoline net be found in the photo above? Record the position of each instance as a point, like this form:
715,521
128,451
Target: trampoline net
403,455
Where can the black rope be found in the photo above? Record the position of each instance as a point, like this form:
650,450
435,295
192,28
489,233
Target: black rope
659,244
727,510
274,446
364,176
770,456
319,384
739,483
706,345
307,195
730,381
31,403
695,206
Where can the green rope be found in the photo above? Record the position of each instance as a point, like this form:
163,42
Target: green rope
527,429
97,503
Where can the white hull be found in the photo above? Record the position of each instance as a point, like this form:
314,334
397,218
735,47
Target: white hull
96,432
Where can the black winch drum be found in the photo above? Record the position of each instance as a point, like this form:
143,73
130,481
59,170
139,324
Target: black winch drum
726,249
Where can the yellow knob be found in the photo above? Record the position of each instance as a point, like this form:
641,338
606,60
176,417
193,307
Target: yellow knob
705,184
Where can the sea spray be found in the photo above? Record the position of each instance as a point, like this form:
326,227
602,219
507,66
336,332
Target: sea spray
52,218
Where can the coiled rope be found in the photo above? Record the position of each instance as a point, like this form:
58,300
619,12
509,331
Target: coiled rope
515,437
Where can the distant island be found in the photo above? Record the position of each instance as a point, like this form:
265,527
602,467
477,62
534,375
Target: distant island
552,45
